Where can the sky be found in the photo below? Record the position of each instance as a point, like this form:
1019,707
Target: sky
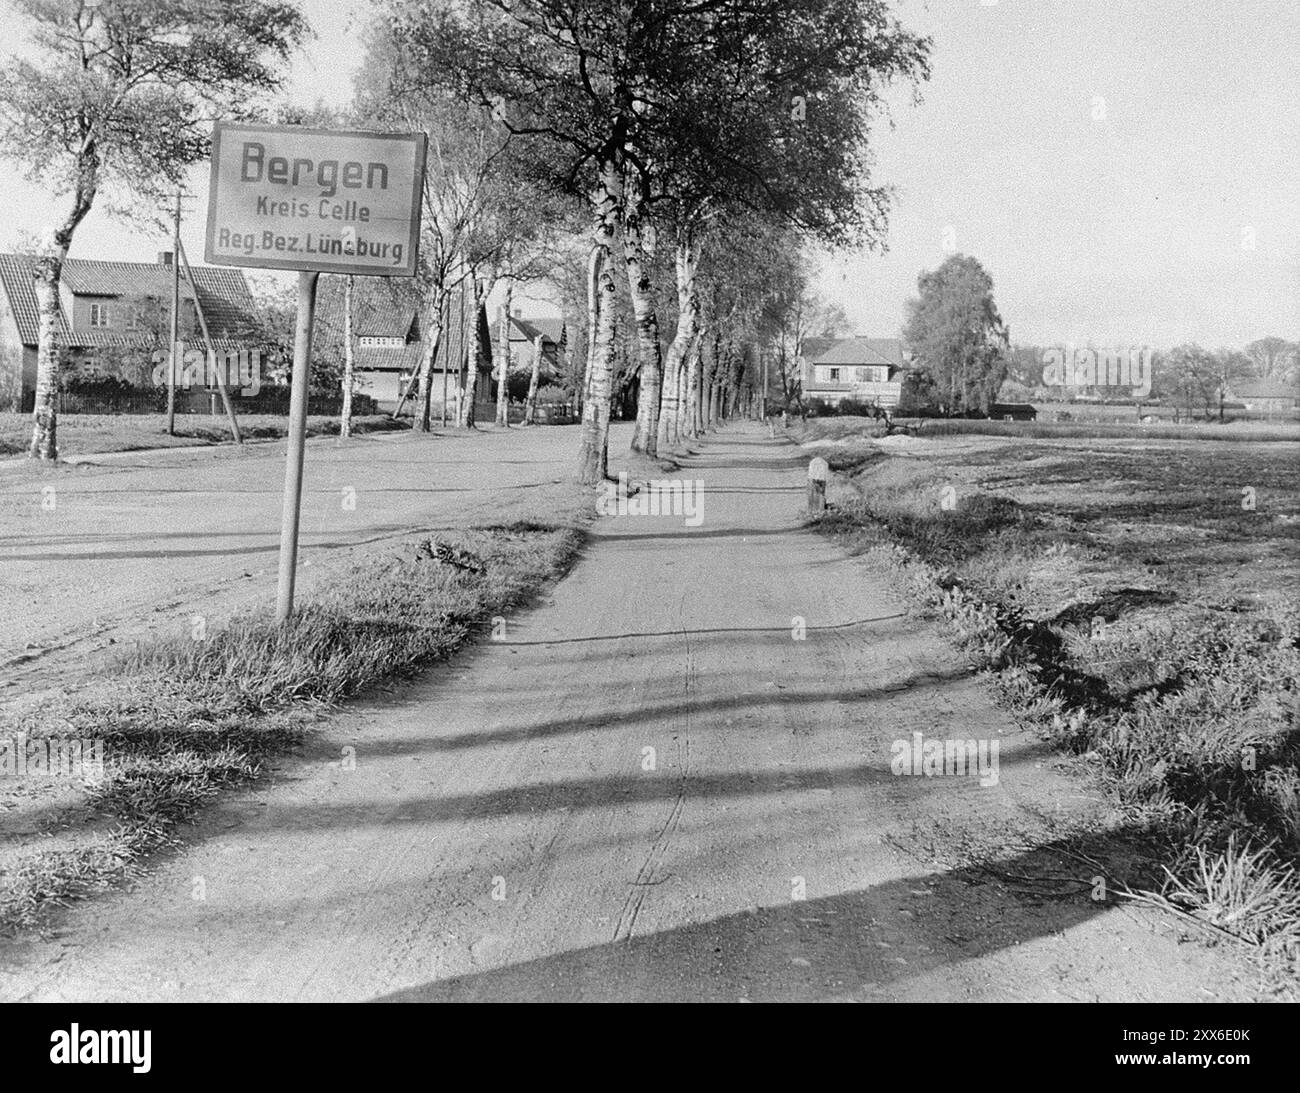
1128,171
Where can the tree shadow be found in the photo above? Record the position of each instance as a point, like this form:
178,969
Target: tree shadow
855,943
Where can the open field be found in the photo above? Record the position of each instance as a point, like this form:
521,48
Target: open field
1102,429
90,434
1138,603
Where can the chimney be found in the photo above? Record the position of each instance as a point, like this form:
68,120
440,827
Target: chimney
165,258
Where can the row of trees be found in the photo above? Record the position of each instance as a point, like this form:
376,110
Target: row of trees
1188,375
704,143
706,139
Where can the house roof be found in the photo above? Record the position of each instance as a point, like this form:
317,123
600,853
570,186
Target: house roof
382,307
392,310
812,348
1268,389
859,351
223,294
551,330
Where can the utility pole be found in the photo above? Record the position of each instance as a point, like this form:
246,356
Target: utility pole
175,326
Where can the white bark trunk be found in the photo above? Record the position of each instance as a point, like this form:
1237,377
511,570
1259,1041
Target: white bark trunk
670,412
645,438
503,367
349,359
530,404
593,454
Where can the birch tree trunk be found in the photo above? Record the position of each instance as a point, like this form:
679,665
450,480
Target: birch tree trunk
349,359
692,409
469,383
593,454
432,337
503,369
670,413
46,272
638,239
530,403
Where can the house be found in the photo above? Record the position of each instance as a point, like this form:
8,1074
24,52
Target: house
523,344
115,306
391,333
1270,398
862,369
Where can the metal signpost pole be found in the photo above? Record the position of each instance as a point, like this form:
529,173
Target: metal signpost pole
311,200
297,442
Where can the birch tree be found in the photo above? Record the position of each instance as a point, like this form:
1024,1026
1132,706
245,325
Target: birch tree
349,356
118,97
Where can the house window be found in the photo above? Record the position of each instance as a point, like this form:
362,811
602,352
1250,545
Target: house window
864,375
833,375
99,315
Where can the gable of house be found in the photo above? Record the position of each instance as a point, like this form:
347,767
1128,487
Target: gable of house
523,338
855,360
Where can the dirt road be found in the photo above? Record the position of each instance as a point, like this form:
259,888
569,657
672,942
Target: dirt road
652,789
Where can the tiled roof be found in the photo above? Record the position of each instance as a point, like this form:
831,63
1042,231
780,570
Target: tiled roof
16,279
223,294
392,310
551,330
853,351
383,307
812,348
1266,390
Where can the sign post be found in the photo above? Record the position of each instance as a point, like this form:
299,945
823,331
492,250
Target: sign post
316,201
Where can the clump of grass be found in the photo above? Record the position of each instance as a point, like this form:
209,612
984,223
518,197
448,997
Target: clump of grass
183,719
1242,890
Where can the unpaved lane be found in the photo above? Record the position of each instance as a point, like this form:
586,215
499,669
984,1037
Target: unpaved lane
651,790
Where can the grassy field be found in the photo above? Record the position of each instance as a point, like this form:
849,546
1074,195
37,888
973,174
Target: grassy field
88,434
180,719
1122,429
1139,605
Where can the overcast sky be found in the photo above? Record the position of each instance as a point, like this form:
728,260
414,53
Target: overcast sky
1126,170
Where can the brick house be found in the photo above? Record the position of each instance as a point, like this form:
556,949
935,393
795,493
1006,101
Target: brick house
390,329
862,369
107,305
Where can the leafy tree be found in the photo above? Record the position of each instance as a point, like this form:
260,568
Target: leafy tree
1274,358
955,333
670,99
1205,376
121,96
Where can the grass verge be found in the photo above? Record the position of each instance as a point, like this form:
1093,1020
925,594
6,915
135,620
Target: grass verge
88,434
182,719
1139,615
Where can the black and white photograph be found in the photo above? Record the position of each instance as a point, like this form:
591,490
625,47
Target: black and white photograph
662,501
